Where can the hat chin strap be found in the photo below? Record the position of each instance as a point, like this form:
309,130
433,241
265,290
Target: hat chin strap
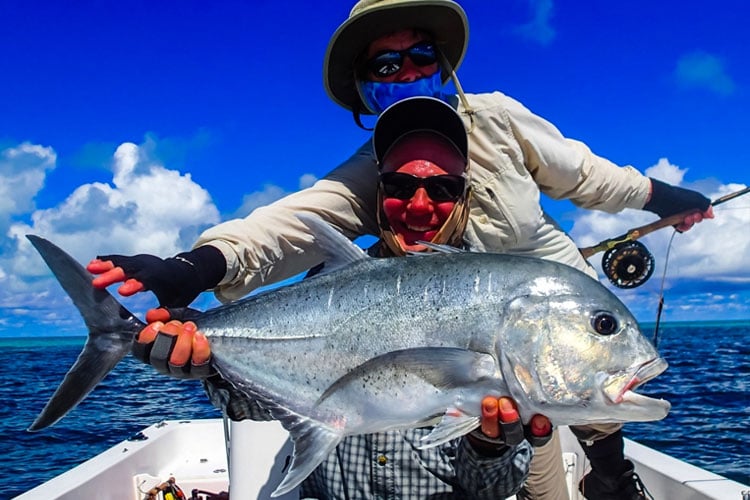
459,89
451,233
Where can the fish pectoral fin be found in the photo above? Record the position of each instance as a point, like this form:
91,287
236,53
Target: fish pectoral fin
442,367
313,441
455,423
339,250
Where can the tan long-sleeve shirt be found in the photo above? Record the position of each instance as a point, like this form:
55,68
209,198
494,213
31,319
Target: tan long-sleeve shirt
514,154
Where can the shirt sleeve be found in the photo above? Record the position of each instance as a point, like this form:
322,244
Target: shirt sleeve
482,477
272,244
567,169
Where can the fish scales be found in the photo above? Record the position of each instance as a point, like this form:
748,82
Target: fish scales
294,331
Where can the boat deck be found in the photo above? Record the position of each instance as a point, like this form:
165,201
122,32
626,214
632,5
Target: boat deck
193,452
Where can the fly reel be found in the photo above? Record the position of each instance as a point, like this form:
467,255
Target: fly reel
628,265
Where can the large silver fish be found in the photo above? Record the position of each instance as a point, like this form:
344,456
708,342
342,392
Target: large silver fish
378,344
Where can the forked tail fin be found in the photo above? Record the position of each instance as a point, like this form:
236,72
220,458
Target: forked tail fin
112,329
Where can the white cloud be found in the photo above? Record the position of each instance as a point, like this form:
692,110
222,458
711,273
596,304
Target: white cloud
665,171
268,195
23,170
251,201
307,180
704,71
147,208
539,28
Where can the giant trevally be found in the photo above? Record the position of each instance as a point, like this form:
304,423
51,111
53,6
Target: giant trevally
378,344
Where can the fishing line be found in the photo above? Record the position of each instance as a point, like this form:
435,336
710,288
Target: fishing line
661,291
660,307
227,443
724,209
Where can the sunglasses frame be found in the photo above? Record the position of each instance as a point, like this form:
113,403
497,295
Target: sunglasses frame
455,186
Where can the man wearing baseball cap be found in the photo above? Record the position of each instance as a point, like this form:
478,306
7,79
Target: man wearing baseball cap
386,51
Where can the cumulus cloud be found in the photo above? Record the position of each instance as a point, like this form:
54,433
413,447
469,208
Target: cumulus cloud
268,195
702,70
307,180
23,170
147,208
539,28
700,258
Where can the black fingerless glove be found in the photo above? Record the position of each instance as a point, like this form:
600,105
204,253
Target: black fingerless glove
158,352
178,280
511,434
668,200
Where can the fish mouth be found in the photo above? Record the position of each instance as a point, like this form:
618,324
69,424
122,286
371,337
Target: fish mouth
618,387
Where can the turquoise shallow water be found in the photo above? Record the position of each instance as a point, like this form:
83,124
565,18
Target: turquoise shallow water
708,383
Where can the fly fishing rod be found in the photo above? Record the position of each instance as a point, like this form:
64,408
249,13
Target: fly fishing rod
627,262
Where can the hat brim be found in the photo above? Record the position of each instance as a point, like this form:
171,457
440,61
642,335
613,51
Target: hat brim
444,20
419,114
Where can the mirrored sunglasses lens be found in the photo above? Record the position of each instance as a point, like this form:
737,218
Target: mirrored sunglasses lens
423,54
385,64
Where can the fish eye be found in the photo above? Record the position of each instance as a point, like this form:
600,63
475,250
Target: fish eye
604,323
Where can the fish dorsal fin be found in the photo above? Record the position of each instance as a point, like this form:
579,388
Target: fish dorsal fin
436,247
339,251
454,423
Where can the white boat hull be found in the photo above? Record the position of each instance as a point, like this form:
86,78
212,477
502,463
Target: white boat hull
193,452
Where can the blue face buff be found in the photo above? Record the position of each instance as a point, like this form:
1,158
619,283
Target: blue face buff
377,96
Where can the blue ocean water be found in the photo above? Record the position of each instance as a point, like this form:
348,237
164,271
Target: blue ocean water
708,383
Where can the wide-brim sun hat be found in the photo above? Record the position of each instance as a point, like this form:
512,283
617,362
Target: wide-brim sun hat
418,114
445,20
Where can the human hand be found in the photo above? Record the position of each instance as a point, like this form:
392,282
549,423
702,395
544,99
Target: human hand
666,200
175,281
175,348
694,218
109,274
500,426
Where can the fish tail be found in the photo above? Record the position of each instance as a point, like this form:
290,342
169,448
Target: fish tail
112,329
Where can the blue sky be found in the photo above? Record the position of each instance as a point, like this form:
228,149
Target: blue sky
130,126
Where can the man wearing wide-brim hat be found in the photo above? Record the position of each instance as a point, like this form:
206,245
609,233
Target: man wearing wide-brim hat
388,50
444,21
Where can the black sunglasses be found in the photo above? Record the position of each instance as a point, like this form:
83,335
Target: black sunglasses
438,187
389,62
